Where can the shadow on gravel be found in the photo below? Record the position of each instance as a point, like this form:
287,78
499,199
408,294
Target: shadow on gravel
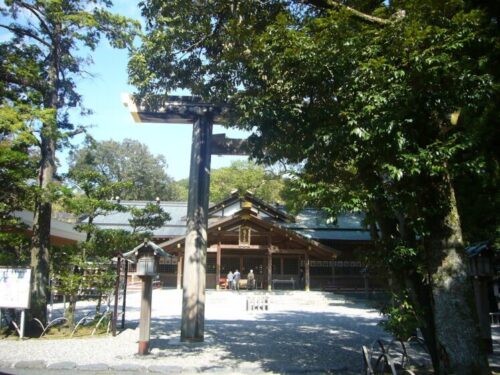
285,342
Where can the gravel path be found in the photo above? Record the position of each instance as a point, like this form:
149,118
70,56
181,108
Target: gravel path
302,332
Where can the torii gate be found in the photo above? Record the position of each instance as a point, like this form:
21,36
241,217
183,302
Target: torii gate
190,110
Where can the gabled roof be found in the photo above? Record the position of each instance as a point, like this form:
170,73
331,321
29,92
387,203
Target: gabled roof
247,217
260,207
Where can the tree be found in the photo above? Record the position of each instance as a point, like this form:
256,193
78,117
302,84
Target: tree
46,37
148,218
182,189
17,167
128,162
361,94
84,266
245,176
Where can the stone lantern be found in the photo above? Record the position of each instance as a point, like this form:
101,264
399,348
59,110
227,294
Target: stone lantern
481,269
146,256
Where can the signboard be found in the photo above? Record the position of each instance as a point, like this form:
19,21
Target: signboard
244,239
15,288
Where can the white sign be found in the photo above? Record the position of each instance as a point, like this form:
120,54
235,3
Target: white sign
15,288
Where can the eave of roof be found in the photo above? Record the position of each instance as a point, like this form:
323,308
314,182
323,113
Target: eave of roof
57,228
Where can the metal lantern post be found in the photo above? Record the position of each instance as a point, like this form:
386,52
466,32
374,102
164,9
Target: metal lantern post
146,257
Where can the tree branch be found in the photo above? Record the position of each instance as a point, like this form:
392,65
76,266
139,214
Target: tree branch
25,32
11,78
331,4
37,14
79,130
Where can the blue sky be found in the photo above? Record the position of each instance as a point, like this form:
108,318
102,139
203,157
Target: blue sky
111,120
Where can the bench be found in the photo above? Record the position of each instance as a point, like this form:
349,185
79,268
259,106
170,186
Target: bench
290,281
223,283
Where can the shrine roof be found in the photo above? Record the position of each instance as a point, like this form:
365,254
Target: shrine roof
310,223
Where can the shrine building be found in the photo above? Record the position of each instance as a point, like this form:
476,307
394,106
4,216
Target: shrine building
284,251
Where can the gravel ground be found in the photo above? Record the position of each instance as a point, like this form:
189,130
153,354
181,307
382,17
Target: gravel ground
302,332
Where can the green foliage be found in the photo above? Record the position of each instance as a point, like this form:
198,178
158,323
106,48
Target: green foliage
245,176
17,167
142,175
148,218
402,320
106,243
74,274
384,116
336,95
182,189
42,54
41,60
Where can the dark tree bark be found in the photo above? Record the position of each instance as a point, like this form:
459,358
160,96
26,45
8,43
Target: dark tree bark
456,323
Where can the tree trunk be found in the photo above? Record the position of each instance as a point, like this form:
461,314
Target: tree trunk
41,235
99,303
70,311
421,294
43,210
457,330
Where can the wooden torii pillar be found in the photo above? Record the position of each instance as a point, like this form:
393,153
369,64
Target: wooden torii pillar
190,110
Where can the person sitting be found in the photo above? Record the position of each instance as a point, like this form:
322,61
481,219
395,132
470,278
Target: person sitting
250,280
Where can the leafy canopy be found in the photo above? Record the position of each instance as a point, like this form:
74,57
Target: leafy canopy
141,174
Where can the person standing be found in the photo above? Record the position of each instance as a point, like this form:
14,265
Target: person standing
250,280
230,278
236,280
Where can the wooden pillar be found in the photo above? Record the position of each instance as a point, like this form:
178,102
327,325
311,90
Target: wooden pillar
281,265
217,267
195,252
145,320
269,261
179,272
308,274
269,270
241,264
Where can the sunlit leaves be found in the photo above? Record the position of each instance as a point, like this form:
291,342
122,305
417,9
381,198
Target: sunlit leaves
246,176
